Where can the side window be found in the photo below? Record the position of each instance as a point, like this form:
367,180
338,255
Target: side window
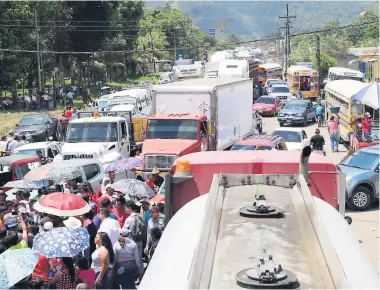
304,136
123,130
203,128
91,170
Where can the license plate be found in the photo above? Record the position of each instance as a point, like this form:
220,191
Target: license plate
260,111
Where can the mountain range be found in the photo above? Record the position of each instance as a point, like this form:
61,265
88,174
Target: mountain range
259,17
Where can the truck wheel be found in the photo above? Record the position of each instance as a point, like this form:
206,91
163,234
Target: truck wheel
281,124
361,199
305,122
46,136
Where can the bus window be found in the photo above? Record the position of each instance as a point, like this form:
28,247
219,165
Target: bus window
356,109
305,83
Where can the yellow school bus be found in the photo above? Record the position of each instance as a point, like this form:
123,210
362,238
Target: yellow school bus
340,93
303,79
269,71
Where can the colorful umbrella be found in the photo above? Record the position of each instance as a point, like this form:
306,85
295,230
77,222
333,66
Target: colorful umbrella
133,188
23,184
15,265
369,95
62,204
54,171
125,163
61,242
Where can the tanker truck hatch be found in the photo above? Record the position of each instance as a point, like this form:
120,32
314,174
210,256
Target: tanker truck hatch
235,250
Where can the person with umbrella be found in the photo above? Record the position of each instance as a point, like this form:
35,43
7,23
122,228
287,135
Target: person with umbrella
366,127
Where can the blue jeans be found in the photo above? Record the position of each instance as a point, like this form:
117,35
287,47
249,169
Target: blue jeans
106,281
125,274
334,140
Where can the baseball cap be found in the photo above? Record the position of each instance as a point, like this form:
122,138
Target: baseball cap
11,221
22,210
124,232
108,186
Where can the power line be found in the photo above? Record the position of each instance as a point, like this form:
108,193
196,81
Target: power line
305,33
287,37
89,52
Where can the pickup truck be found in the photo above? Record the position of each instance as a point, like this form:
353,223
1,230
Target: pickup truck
297,112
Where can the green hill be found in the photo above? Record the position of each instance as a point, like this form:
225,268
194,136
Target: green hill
257,18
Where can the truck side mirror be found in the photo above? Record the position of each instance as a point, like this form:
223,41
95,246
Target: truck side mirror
377,170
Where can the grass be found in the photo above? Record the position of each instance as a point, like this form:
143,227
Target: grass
8,120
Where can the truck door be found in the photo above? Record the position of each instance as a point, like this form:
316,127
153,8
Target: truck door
124,140
203,135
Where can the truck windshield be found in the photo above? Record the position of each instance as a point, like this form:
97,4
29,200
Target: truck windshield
92,132
103,104
30,152
172,129
266,100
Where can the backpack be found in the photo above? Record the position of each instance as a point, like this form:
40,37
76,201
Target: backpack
139,232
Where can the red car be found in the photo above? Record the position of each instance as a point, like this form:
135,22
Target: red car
267,106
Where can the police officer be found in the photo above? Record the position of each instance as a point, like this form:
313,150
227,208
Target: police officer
156,221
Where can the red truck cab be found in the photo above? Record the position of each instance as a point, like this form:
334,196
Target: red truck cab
323,174
15,167
171,136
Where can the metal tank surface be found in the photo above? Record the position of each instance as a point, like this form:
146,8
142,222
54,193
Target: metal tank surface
226,248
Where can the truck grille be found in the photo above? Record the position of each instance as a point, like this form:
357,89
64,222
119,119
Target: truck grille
81,156
289,115
159,161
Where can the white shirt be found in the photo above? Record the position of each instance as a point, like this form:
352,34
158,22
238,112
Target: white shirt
27,99
13,145
70,95
129,223
2,145
112,228
34,98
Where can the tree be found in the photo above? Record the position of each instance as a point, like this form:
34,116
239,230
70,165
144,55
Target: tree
327,61
362,33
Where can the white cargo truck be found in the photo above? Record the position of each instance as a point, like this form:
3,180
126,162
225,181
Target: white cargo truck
197,115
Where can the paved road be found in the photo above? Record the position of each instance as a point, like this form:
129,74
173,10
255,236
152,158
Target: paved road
365,224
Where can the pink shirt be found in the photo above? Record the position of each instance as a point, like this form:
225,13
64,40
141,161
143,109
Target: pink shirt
88,277
333,126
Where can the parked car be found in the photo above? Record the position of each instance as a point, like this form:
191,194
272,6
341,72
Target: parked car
297,112
295,138
362,177
50,149
281,92
267,105
260,142
15,167
38,127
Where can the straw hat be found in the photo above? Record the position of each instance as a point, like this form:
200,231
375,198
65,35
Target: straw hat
72,223
155,171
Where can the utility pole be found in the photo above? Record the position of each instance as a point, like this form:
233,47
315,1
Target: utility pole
287,37
38,53
152,46
175,46
319,63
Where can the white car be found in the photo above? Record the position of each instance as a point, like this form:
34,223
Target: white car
295,138
281,92
50,149
270,82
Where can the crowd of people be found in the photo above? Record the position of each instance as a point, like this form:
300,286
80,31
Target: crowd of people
123,237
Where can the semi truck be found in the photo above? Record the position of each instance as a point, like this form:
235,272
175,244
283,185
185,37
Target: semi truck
196,115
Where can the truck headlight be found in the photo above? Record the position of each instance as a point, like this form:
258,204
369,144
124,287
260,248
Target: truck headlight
299,115
281,115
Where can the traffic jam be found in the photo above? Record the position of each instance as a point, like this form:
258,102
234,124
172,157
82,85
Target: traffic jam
159,186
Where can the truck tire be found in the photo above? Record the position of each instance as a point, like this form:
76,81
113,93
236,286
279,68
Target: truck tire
361,199
305,122
281,124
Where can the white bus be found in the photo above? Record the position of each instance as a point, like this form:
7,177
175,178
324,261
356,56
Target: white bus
342,73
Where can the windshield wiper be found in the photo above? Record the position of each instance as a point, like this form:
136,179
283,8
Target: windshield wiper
354,166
